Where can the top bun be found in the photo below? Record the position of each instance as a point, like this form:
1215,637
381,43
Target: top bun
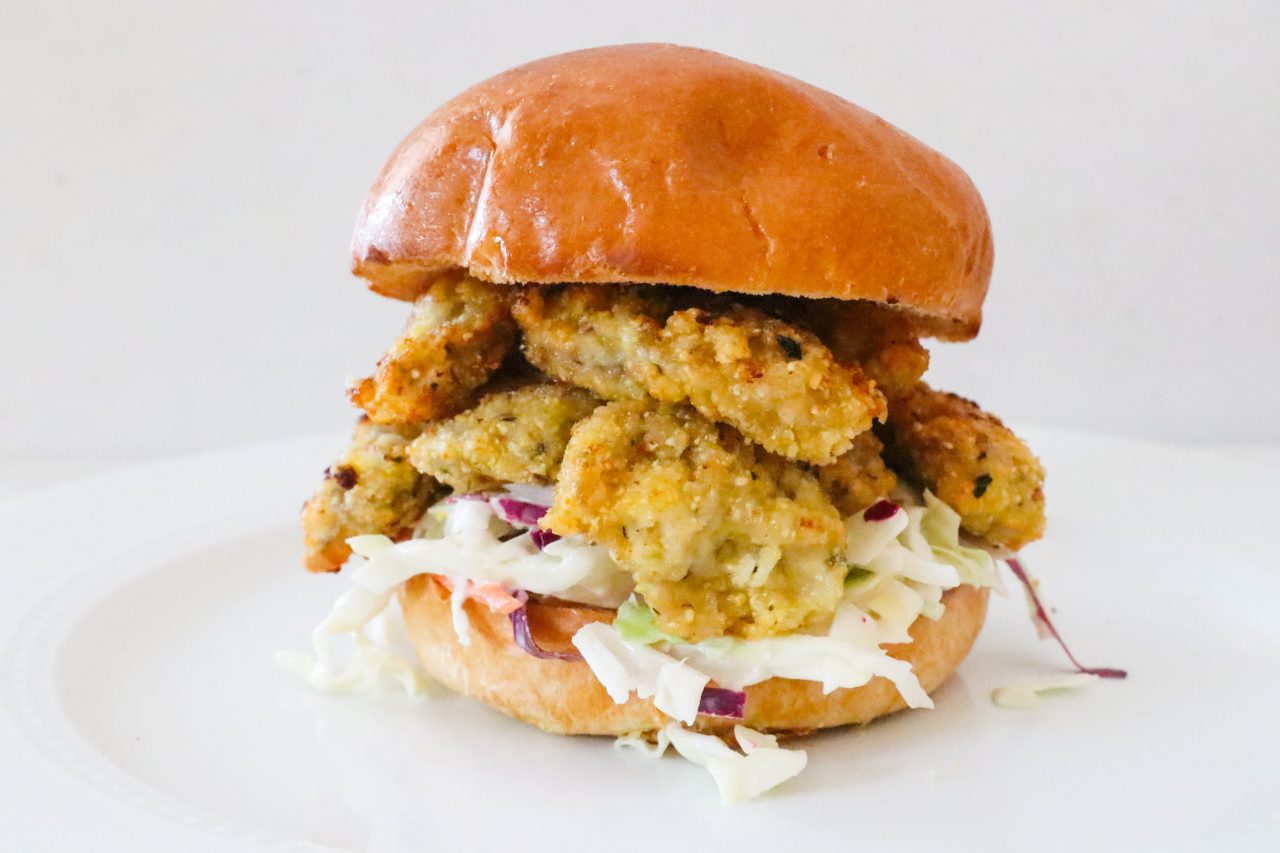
660,164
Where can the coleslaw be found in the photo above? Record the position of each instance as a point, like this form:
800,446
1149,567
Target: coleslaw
901,556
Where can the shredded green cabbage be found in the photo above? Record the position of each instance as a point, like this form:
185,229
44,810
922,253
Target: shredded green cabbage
642,745
465,541
940,525
761,766
1025,695
636,624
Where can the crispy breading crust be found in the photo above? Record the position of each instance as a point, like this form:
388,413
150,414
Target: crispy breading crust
458,333
970,460
776,383
510,436
371,488
859,477
721,537
879,339
586,336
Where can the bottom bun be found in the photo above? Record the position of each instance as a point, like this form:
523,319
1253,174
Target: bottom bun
564,697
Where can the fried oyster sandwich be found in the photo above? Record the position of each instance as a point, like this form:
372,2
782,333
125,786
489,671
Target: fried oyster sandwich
653,456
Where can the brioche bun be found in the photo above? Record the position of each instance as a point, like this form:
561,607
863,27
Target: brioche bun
653,163
564,697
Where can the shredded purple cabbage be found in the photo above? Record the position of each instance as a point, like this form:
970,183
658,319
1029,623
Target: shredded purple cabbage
1042,621
524,637
880,511
718,702
520,513
715,701
515,512
542,538
524,514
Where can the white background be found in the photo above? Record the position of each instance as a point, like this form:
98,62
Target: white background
178,183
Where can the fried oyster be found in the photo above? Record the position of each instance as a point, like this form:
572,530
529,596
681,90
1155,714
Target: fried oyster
721,536
970,460
460,330
773,381
371,488
510,436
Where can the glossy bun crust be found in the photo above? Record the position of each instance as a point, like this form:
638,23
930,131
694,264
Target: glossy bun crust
565,698
654,163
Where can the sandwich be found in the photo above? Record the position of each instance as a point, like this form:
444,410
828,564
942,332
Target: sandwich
654,456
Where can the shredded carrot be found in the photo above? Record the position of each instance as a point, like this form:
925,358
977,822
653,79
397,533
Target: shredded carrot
498,599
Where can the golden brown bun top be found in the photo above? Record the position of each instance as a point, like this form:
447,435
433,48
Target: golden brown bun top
656,163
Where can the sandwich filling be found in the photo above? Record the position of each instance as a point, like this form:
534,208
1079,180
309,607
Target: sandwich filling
760,486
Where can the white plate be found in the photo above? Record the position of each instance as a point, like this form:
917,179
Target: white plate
142,710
